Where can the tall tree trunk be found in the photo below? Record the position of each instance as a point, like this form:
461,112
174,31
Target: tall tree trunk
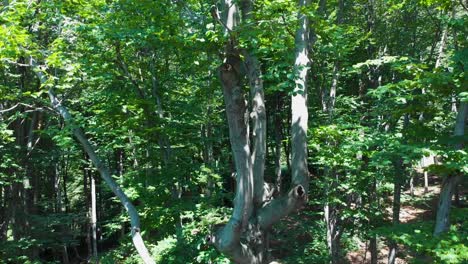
442,44
373,249
65,180
278,139
86,180
120,167
449,183
396,216
426,182
333,234
299,111
30,180
250,198
227,240
207,134
397,185
94,220
4,216
258,114
17,203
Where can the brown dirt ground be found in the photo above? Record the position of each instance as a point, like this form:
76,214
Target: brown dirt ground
408,213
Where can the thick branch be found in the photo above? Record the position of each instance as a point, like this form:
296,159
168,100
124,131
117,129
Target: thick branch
449,183
280,207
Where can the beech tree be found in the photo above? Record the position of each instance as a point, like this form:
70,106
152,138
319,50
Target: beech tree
178,131
245,236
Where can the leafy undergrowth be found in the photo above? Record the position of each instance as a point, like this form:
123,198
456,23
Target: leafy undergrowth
300,238
415,233
193,248
417,237
417,244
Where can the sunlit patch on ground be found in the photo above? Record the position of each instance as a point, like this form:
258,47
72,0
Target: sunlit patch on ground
420,206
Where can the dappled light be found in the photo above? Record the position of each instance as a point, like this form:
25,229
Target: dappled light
233,131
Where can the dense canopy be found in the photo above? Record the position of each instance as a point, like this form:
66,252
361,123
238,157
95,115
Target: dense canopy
233,131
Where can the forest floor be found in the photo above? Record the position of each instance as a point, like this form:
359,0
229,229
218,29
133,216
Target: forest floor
419,207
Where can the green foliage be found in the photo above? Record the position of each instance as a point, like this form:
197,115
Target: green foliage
448,248
140,78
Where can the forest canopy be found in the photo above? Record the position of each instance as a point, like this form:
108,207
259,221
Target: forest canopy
233,131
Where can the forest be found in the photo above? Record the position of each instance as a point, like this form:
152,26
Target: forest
233,131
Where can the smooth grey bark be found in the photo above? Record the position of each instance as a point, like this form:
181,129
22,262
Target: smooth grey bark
120,167
258,113
442,44
4,218
449,183
30,178
227,239
94,219
426,182
411,184
336,66
253,213
278,139
299,111
106,176
101,167
261,191
86,179
277,208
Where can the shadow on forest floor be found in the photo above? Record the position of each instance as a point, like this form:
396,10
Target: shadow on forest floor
419,207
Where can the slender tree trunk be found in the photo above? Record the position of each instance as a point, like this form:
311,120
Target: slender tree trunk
103,171
207,134
396,218
86,179
411,183
66,258
4,217
442,44
373,245
426,182
373,249
120,154
65,179
278,139
94,220
449,183
397,185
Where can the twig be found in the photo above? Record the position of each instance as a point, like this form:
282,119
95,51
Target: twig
27,111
